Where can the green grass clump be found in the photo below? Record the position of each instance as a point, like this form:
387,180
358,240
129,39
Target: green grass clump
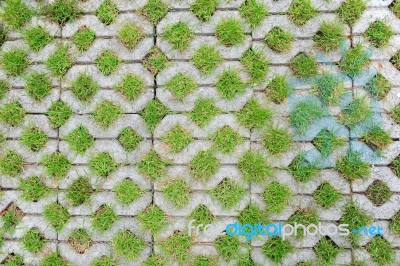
37,38
63,11
252,214
11,163
254,167
33,189
395,114
326,195
13,260
38,85
381,251
229,84
276,249
58,113
181,85
79,191
33,138
104,218
56,215
80,139
395,166
178,192
302,169
230,31
279,40
11,217
104,261
3,34
357,111
256,64
54,259
301,11
127,245
276,196
204,165
103,164
107,62
154,10
227,247
202,215
153,219
131,86
377,138
204,9
15,13
130,34
129,139
154,260
56,165
83,38
106,113
153,166
206,58
107,12
351,10
177,138
204,111
12,113
395,224
326,250
33,240
278,89
304,66
326,142
304,114
354,60
179,35
153,113
304,217
395,7
253,115
254,12
60,61
127,191
379,34
277,140
228,193
378,192
204,261
329,88
80,240
177,246
352,167
155,60
226,139
4,88
330,36
379,86
14,61
395,60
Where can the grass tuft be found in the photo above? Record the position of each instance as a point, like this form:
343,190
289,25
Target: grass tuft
4,88
330,36
79,191
11,163
37,38
54,259
227,247
301,11
179,35
204,165
15,13
155,60
83,38
204,111
326,142
302,169
102,164
80,139
33,189
326,250
256,64
329,88
379,86
304,217
33,138
153,260
14,61
38,85
60,61
178,192
104,218
177,138
279,40
252,214
226,139
254,167
56,165
80,240
127,191
278,89
177,246
13,259
381,251
395,166
130,34
153,113
230,31
379,34
104,261
206,58
58,113
154,10
127,245
351,10
63,11
153,219
326,195
304,114
377,138
181,85
107,62
10,218
254,12
378,192
229,84
276,249
354,60
357,111
204,9
277,140
129,139
394,224
12,113
395,114
56,215
395,7
276,196
228,193
131,86
304,66
107,12
106,113
352,167
153,166
253,115
33,240
201,215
